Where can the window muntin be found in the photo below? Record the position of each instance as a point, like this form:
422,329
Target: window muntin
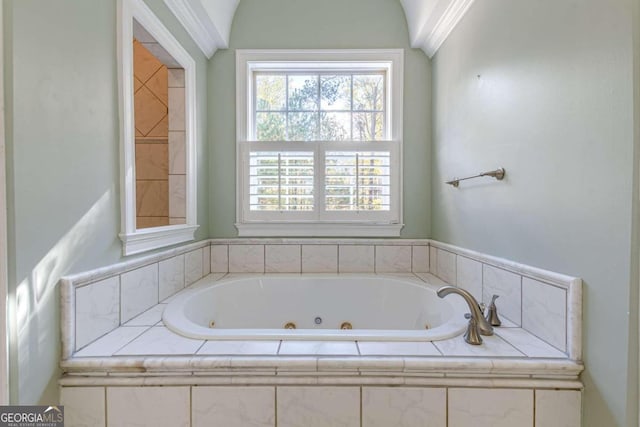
322,106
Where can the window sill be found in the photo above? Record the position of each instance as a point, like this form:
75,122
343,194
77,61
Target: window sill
157,237
318,230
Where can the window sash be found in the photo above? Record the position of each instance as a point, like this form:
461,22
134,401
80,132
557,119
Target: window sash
287,111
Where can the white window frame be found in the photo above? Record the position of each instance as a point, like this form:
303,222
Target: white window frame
142,240
330,224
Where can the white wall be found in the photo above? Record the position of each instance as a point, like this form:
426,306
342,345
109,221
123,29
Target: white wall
545,89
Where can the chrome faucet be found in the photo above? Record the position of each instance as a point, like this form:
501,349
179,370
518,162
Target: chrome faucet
477,322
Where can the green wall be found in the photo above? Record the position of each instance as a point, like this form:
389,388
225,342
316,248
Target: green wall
633,387
545,89
63,166
313,24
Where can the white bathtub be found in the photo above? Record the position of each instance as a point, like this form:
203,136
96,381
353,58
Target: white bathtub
379,308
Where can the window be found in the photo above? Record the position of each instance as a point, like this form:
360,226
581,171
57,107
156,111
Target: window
319,143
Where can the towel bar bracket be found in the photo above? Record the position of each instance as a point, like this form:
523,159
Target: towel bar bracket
497,174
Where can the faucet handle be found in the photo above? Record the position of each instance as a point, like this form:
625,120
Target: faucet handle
472,335
492,315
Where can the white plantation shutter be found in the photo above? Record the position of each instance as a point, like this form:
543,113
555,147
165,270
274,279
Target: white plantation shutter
357,181
281,181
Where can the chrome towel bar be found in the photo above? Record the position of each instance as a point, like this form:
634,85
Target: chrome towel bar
497,174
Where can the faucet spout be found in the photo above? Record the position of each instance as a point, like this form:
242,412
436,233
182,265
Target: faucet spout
483,326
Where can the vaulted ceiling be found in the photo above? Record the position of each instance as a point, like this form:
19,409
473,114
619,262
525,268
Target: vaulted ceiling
209,21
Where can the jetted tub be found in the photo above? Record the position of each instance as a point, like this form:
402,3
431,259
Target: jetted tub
378,308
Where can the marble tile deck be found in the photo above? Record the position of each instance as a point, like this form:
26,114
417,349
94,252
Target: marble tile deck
158,340
146,335
143,347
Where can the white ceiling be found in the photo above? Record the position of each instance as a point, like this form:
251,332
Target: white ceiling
209,21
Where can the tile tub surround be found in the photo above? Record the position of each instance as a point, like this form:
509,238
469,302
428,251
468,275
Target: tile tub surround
140,283
546,304
145,346
321,406
274,383
123,369
95,303
319,255
146,336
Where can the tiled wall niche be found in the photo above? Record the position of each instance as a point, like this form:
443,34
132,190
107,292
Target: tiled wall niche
159,99
151,99
319,406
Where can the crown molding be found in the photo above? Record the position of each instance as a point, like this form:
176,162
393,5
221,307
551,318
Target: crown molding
431,22
447,22
209,23
202,29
